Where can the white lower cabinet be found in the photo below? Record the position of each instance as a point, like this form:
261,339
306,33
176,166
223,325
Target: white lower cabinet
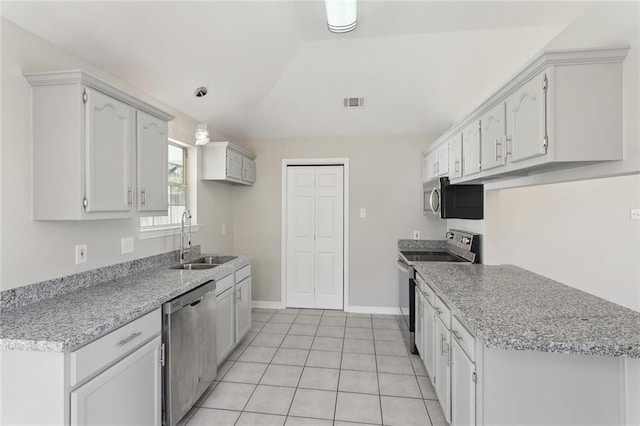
243,308
463,387
429,339
419,323
442,376
225,338
128,393
233,311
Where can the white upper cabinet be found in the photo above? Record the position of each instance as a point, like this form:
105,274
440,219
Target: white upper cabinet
493,135
528,119
436,162
443,159
227,162
471,146
109,141
84,148
562,109
455,157
152,153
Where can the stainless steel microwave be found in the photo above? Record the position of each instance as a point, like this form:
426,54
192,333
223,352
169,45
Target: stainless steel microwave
453,201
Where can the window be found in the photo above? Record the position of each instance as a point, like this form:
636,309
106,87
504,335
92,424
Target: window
177,191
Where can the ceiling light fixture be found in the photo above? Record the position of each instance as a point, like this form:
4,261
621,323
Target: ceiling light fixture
202,134
342,15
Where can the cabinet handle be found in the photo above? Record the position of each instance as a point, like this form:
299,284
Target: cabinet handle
450,353
144,196
129,197
442,343
438,311
457,335
130,338
457,166
498,144
239,295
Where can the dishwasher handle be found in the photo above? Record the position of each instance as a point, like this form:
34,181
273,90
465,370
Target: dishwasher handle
191,298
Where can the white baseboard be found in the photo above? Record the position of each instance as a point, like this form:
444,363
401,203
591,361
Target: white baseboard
266,304
384,310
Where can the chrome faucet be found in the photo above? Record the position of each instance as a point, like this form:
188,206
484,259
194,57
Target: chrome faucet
186,216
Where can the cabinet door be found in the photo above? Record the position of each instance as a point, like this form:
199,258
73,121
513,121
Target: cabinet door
471,144
432,164
419,330
455,157
425,168
463,388
225,331
443,369
243,308
494,137
248,170
128,393
152,163
527,115
234,164
429,339
443,159
109,136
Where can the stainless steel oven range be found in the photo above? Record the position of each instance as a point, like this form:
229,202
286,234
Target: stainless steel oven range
461,247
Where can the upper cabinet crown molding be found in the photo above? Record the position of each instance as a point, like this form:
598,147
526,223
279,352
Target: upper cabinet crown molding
81,77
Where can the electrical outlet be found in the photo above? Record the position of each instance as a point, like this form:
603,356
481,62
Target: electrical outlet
635,214
363,212
416,235
224,229
81,254
126,245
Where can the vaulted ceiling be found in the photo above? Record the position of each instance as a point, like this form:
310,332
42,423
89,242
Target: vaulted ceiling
273,70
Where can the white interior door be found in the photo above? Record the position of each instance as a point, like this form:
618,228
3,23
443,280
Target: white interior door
315,243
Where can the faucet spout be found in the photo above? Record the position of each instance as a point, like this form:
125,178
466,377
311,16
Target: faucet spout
186,216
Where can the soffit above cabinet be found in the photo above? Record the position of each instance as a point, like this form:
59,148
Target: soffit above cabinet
79,76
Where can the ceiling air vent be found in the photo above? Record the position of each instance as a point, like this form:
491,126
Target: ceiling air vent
353,102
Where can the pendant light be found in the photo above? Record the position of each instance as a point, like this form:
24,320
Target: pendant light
342,15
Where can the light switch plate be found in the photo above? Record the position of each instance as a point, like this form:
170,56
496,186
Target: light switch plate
126,245
363,212
81,254
224,229
635,214
416,235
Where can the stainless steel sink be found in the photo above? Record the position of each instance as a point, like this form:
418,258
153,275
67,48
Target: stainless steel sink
206,262
213,260
194,266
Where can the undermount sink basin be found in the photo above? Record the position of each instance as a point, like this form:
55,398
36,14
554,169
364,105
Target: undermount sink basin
193,266
206,262
213,260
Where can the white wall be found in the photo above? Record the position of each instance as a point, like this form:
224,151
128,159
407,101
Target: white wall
384,179
38,250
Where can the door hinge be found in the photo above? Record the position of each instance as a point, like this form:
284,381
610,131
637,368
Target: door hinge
545,83
84,96
161,355
85,203
474,377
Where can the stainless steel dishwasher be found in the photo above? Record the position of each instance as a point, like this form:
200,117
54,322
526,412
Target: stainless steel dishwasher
189,335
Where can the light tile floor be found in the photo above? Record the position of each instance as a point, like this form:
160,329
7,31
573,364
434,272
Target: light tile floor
320,367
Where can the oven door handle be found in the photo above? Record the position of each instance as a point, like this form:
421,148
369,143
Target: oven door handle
403,267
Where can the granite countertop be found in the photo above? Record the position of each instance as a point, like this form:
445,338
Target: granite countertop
67,322
512,308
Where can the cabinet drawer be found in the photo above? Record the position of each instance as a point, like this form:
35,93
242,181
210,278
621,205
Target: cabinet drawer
96,355
224,284
442,311
243,273
429,294
466,340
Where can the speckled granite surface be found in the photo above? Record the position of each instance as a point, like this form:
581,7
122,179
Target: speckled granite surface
20,296
512,308
421,245
66,322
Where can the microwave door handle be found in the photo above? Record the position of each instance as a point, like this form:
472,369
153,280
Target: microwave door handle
434,208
